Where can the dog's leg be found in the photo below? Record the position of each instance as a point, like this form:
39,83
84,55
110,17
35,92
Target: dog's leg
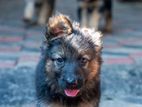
46,11
94,19
79,10
84,18
43,13
108,15
108,25
38,6
29,10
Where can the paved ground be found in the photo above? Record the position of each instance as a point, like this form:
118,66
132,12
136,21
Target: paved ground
122,55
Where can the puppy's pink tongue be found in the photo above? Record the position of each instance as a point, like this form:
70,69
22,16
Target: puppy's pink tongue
71,92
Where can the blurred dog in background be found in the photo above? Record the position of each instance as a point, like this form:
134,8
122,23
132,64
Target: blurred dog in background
42,9
89,12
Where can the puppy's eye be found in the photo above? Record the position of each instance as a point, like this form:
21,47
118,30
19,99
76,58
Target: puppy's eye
64,28
59,61
83,60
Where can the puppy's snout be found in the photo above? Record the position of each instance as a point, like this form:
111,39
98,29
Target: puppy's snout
71,82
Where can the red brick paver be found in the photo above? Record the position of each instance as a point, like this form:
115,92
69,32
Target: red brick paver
7,64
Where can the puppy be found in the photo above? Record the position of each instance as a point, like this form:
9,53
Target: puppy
68,74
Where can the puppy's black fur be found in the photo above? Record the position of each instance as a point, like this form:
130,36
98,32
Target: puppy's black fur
68,72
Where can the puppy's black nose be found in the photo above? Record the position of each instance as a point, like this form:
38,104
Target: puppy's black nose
71,82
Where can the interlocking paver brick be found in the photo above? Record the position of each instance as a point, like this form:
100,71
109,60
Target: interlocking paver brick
5,64
11,39
117,61
11,29
122,55
118,103
32,45
28,59
9,55
122,50
10,48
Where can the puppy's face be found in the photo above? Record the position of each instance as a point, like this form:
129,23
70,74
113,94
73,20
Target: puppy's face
73,62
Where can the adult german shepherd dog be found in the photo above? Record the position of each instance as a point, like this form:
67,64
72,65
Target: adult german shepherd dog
90,12
68,74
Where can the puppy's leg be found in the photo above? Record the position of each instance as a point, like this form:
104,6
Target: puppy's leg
46,11
29,10
49,105
56,105
94,103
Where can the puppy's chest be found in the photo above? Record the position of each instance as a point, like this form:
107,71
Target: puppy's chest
83,104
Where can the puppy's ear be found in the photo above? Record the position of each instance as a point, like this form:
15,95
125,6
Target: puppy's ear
58,25
94,36
97,38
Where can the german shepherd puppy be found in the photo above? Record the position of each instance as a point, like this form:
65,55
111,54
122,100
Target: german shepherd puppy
90,11
68,74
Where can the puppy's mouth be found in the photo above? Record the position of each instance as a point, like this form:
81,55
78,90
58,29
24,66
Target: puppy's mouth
71,92
73,89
